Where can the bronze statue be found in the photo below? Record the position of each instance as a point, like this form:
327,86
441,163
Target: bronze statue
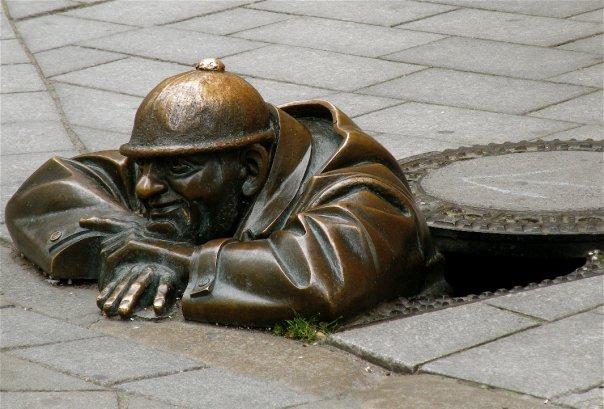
253,211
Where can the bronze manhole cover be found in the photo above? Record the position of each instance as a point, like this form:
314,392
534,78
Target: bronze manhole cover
519,199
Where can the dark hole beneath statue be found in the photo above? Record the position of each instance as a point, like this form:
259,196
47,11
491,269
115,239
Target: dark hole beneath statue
473,278
474,275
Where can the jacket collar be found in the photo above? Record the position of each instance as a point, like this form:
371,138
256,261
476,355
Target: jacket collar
290,161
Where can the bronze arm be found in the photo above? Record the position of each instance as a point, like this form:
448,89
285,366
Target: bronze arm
336,258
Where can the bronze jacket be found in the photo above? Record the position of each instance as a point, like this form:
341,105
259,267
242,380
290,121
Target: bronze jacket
334,230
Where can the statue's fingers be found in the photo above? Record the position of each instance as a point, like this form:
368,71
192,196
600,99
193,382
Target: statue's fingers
103,295
136,290
161,297
111,303
113,243
102,224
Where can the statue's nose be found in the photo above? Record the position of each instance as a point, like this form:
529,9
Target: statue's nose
148,185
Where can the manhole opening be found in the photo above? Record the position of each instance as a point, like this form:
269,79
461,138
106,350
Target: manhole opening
474,275
474,279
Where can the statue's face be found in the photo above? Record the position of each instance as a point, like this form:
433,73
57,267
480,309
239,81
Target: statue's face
191,198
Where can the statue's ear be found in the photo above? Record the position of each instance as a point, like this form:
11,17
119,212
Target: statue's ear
256,163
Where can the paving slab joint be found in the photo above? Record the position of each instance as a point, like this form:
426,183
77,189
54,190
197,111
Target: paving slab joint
61,10
155,375
591,90
371,357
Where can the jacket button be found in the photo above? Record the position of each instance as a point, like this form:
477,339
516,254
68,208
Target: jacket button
55,235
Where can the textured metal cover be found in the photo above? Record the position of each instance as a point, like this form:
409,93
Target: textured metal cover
490,231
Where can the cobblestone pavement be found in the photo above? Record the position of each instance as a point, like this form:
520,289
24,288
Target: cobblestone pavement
418,75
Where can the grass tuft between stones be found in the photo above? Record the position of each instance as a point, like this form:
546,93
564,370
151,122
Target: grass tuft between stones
305,329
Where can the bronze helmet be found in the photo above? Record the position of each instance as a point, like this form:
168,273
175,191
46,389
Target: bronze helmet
203,110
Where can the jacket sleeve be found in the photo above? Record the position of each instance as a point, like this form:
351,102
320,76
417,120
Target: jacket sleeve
43,215
333,259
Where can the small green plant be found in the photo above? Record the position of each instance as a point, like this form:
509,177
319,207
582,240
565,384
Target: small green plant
305,329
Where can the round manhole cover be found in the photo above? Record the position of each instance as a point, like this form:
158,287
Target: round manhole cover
526,198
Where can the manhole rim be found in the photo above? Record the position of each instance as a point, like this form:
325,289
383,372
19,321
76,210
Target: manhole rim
495,224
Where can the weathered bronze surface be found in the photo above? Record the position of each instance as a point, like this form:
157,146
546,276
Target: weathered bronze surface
491,231
253,211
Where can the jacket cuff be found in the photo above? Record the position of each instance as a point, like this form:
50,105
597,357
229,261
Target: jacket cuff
204,262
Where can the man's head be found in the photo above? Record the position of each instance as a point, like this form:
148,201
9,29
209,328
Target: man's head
201,142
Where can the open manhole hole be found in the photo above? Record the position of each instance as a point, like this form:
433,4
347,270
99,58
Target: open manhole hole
507,217
471,284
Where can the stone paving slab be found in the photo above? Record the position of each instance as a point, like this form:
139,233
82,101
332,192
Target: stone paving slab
5,195
124,76
316,68
547,361
423,391
556,301
107,360
593,44
591,76
404,344
18,107
20,375
16,169
457,125
43,33
128,401
30,137
20,78
385,13
339,36
6,30
277,92
148,13
403,146
596,16
25,285
100,140
585,109
12,53
230,21
23,328
98,109
357,104
168,44
213,388
312,370
477,91
513,28
495,57
594,132
591,399
21,9
545,8
59,400
71,58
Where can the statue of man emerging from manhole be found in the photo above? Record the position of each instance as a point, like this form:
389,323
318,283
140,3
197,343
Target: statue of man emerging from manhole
253,212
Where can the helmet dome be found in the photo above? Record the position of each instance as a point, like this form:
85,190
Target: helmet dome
206,109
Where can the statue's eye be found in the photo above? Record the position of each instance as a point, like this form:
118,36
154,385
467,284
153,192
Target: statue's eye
180,168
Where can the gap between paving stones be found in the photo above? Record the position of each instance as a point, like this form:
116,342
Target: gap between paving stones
61,10
250,6
593,91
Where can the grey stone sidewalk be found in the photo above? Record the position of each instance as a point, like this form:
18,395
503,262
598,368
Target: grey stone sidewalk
419,76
